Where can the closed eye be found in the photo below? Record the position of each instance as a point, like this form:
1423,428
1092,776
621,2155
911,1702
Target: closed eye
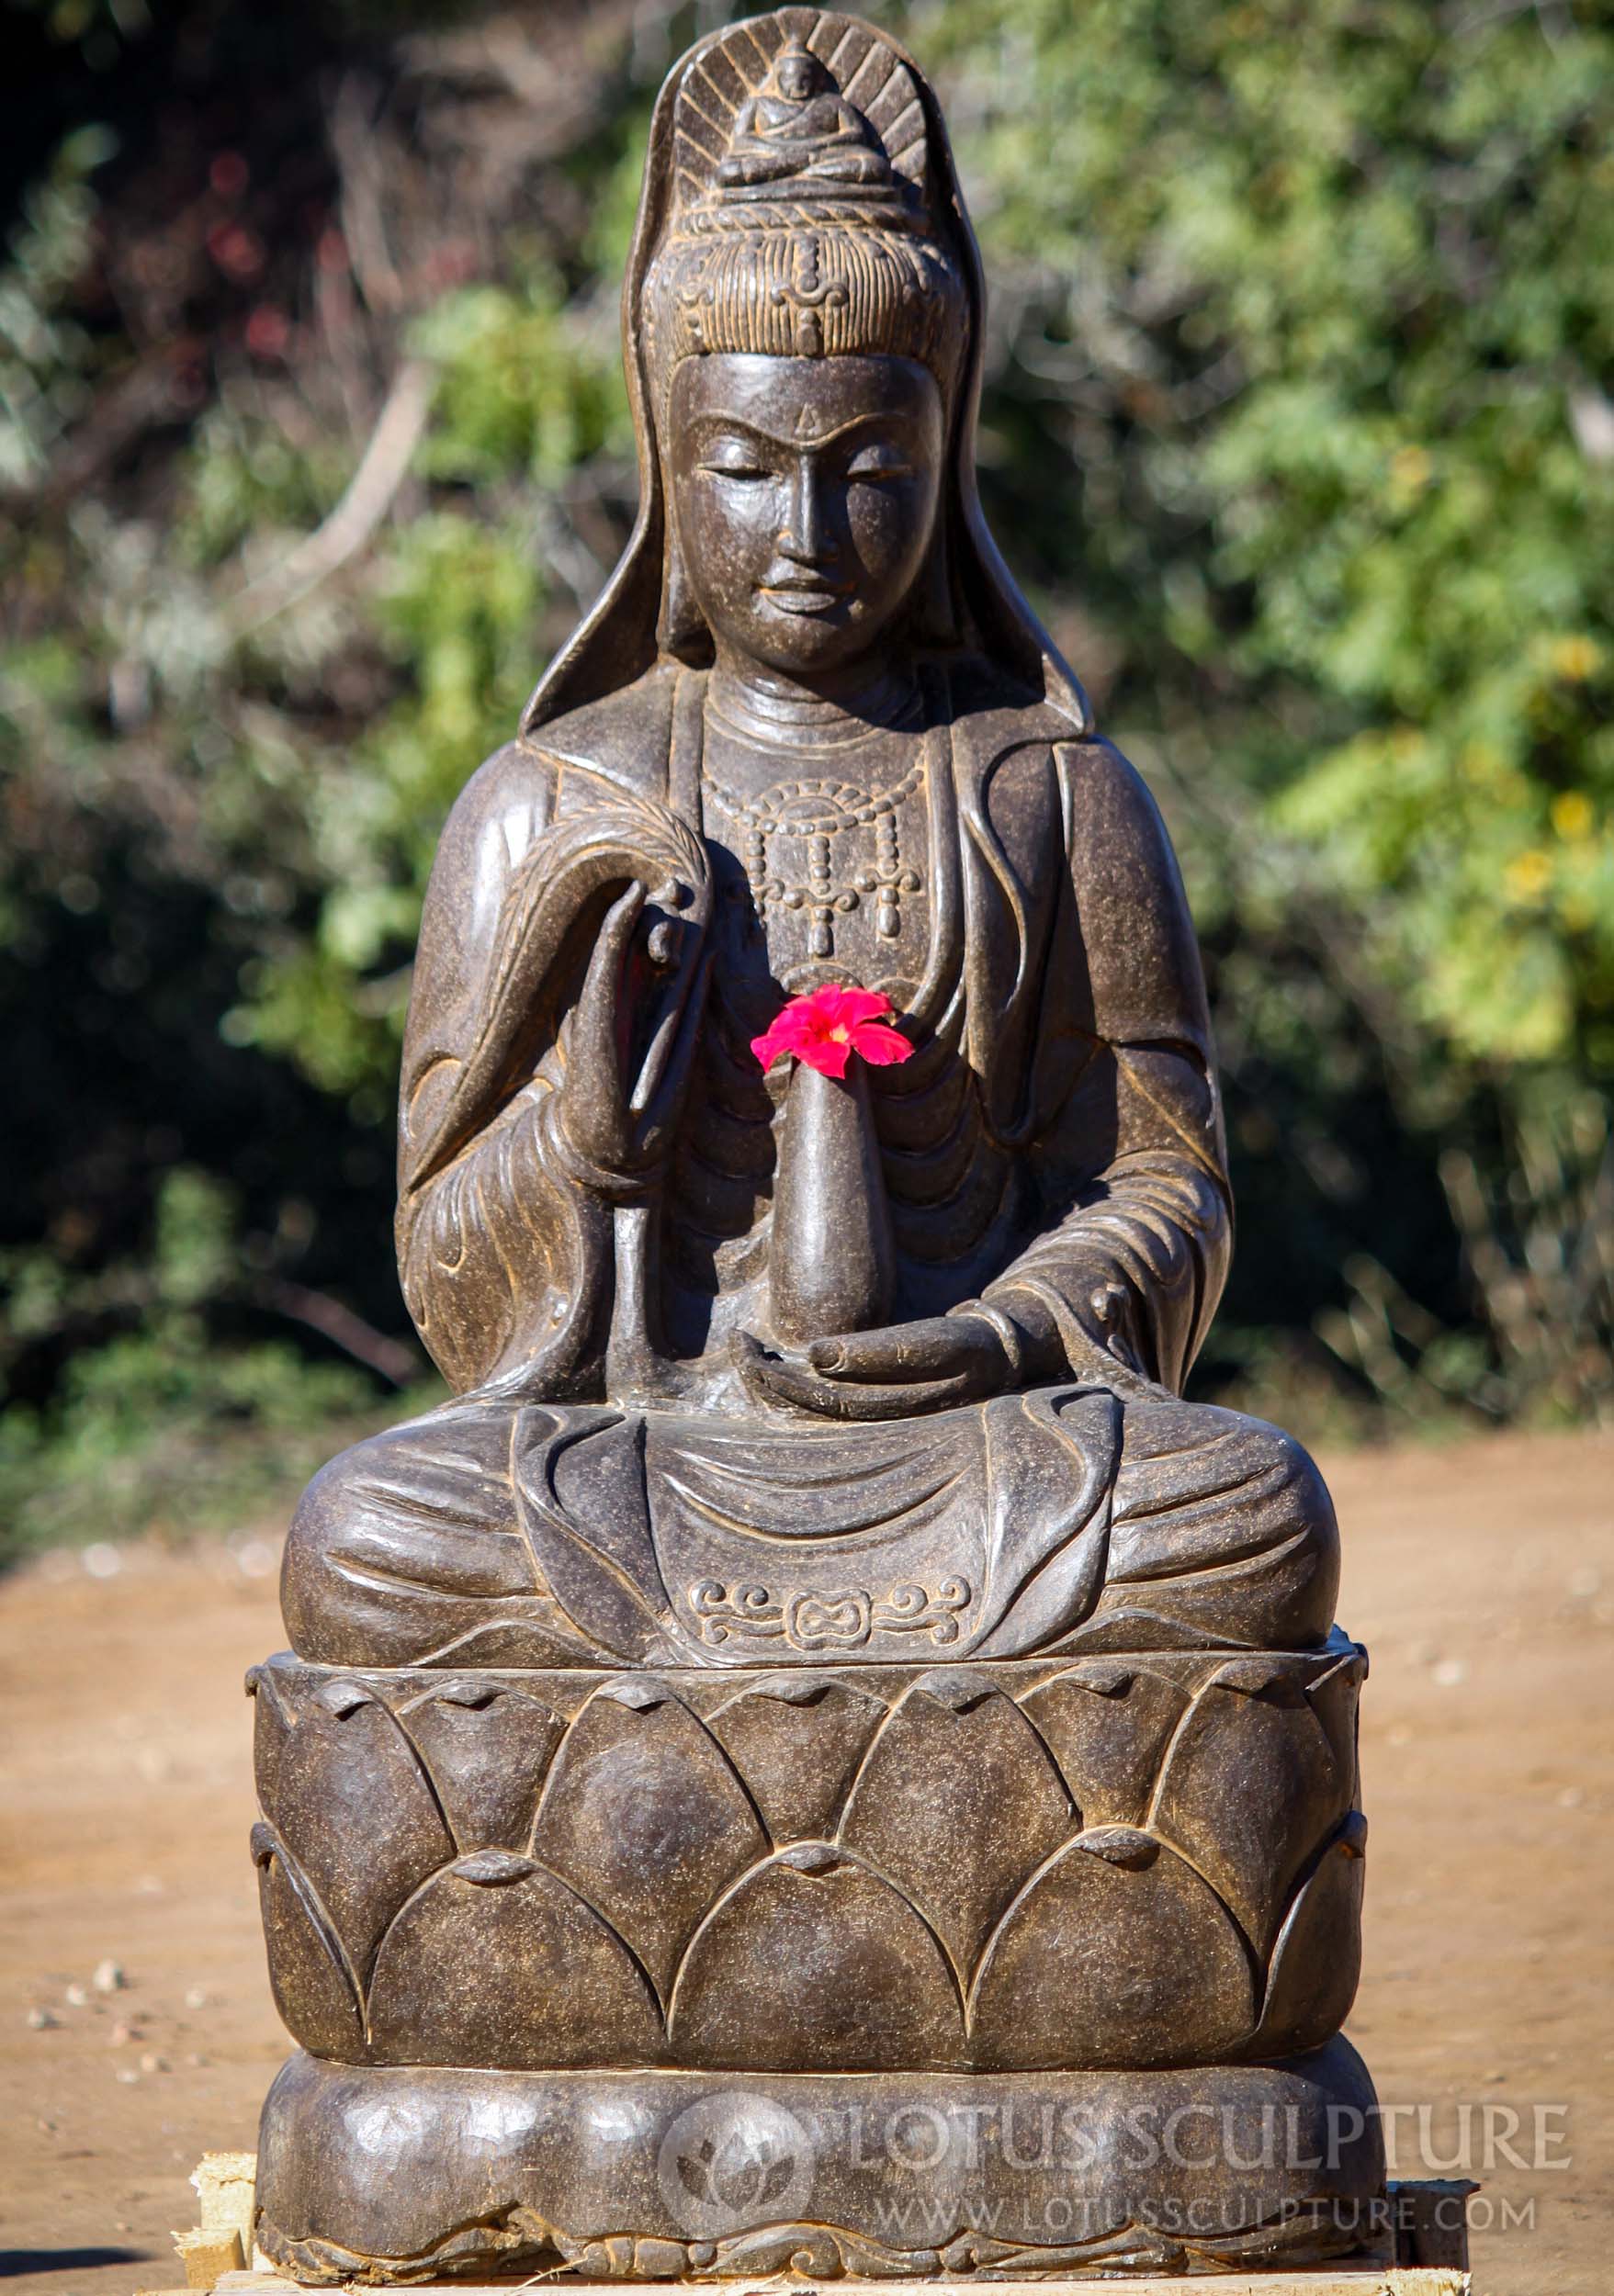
879,465
736,462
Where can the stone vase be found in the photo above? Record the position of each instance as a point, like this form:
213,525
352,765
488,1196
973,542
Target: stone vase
830,1258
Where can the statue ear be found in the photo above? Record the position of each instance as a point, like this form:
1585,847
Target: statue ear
682,632
936,624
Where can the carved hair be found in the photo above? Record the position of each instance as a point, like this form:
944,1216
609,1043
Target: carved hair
804,280
800,227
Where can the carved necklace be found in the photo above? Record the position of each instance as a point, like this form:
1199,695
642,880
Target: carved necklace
798,850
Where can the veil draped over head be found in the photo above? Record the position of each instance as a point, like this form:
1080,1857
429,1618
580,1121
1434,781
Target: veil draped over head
628,630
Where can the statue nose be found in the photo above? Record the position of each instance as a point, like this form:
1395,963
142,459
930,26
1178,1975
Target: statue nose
806,533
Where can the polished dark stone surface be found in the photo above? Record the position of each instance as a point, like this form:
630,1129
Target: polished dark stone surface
416,2174
817,1654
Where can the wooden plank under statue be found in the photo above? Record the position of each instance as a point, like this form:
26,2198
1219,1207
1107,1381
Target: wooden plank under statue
816,1759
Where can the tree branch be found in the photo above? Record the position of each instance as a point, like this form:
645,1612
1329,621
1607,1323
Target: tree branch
369,498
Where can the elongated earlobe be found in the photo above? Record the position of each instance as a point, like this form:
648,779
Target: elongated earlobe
935,622
682,631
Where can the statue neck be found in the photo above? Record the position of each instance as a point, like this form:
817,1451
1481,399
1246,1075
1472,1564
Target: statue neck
771,709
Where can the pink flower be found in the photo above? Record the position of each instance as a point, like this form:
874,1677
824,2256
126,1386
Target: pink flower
827,1027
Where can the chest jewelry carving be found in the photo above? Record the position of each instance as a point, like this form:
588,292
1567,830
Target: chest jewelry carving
825,846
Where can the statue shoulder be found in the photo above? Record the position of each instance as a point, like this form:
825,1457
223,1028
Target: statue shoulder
507,802
623,736
520,791
1143,960
994,712
1116,812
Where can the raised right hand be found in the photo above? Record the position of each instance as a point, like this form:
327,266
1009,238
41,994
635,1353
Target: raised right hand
619,1123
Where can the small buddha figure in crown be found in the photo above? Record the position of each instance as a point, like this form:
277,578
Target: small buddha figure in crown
798,125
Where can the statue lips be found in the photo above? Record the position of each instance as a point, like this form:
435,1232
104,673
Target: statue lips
804,594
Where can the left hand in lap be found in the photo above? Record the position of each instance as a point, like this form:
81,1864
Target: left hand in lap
940,1361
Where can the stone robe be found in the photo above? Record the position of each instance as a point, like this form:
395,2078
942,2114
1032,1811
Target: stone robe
1056,1130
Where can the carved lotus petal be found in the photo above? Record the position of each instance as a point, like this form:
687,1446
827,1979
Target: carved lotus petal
352,1805
797,1748
1102,1962
1318,1959
958,1802
495,1967
1108,1724
313,1985
272,1726
644,1817
815,1964
487,1749
620,2256
1250,1788
1121,1845
793,2252
1334,1697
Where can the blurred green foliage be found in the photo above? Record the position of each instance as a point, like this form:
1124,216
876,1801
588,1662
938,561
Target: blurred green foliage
1352,264
157,1424
1302,397
313,447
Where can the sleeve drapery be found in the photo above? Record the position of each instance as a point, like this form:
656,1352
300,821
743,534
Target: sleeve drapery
1148,1220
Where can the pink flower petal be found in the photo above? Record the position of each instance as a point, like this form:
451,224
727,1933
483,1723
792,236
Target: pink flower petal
827,1055
823,1029
784,1036
824,1004
881,1045
861,1004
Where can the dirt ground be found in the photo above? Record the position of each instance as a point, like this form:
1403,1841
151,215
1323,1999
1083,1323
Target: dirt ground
1482,1578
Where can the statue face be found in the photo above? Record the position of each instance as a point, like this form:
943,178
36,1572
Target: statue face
805,493
796,78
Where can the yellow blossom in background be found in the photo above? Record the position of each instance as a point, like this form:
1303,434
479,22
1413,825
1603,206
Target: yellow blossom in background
1528,875
1482,762
1572,814
1410,471
1576,659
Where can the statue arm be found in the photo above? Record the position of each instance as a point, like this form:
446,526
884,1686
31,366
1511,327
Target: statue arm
515,1135
487,1241
1133,1271
1131,1263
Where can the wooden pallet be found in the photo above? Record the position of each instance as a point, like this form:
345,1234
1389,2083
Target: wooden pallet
1399,2279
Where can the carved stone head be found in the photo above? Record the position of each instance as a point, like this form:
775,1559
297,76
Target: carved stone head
802,325
798,74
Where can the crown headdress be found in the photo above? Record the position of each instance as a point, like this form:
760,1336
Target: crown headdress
800,221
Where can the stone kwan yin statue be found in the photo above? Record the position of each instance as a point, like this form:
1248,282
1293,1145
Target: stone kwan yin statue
817,1742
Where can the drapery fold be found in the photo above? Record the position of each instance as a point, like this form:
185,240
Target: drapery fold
1066,987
